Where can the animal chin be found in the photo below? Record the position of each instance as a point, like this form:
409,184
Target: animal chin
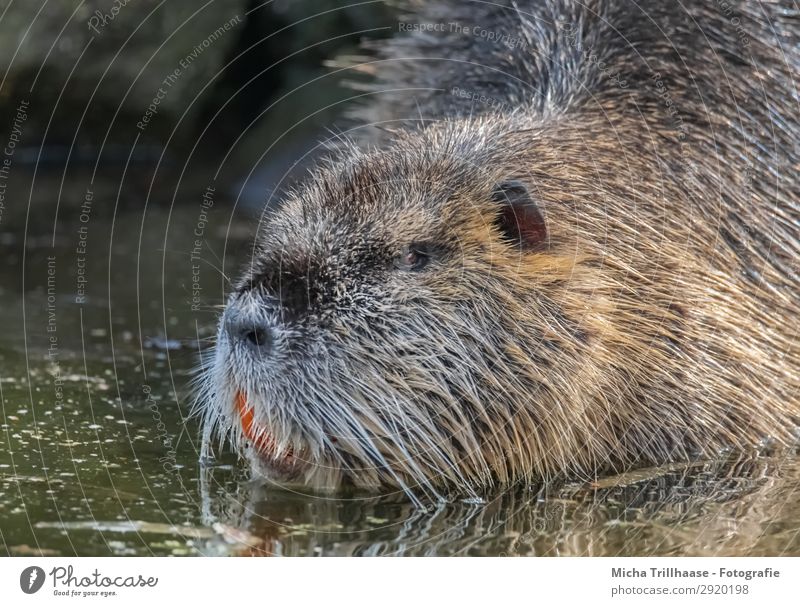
283,463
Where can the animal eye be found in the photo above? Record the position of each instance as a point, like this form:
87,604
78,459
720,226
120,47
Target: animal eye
412,259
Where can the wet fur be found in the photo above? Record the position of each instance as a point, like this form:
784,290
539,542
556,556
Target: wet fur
659,322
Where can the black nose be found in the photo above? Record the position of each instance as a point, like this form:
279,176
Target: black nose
252,333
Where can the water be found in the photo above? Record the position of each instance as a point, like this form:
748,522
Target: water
98,455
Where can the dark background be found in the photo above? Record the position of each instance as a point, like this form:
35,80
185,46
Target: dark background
247,104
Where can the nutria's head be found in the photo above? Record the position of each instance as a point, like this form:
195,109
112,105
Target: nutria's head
414,317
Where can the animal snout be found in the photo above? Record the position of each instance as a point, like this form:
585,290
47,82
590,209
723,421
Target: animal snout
252,332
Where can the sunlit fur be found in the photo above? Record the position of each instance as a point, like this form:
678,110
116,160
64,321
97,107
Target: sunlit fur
659,322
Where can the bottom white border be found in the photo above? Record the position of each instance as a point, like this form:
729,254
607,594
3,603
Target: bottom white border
385,581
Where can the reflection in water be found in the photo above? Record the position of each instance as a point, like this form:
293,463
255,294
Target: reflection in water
721,508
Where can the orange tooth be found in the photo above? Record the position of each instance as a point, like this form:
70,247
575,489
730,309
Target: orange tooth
262,441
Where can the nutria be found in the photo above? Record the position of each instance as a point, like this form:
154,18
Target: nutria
573,249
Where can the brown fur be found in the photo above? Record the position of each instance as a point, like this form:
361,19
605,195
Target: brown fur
658,321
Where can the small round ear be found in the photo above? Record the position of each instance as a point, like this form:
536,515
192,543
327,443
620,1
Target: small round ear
519,218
